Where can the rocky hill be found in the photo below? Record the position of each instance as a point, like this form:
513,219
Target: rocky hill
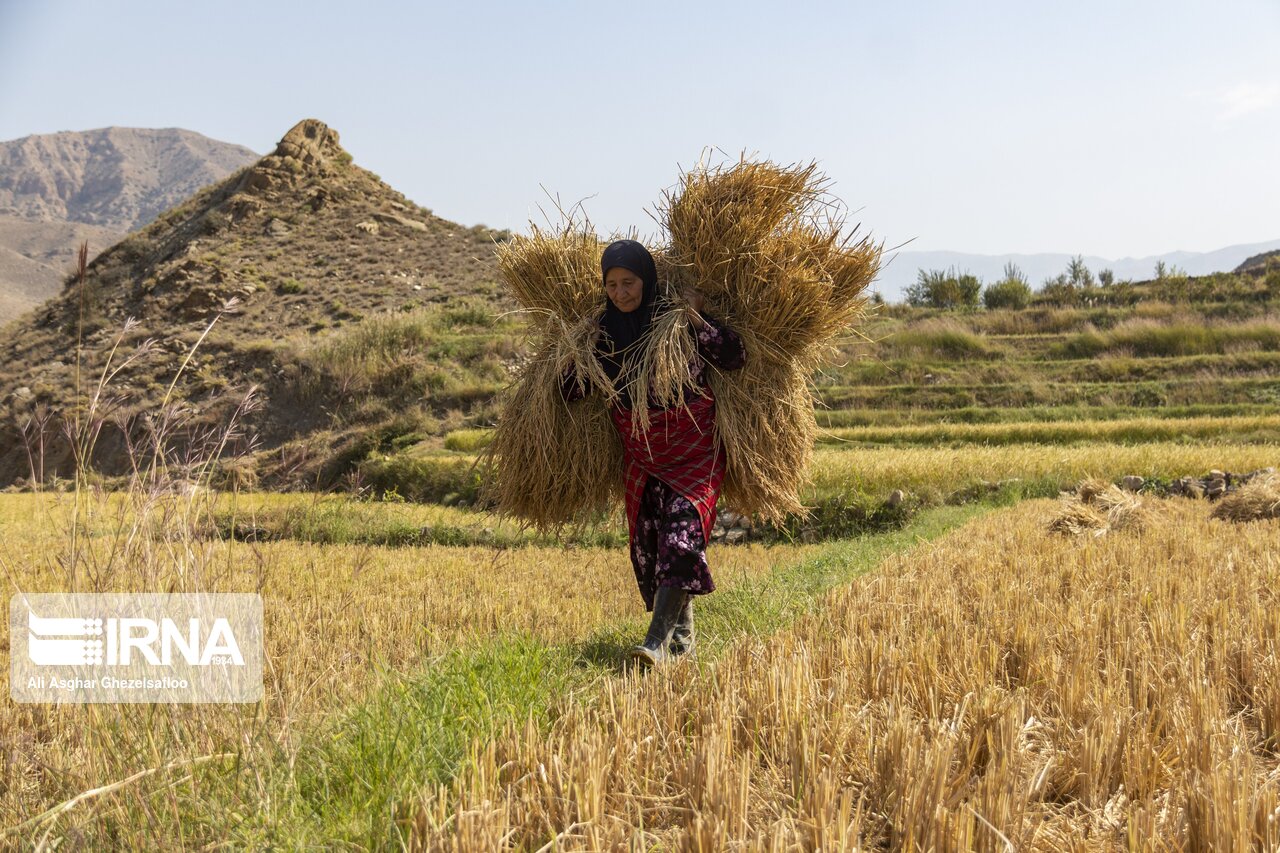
276,257
59,189
1259,261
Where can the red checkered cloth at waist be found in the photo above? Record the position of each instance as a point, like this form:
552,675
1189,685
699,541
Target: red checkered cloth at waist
680,448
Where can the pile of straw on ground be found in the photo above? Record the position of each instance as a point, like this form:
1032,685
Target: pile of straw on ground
767,246
1255,500
1098,507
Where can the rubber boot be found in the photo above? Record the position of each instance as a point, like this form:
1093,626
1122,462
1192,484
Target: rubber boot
667,603
682,641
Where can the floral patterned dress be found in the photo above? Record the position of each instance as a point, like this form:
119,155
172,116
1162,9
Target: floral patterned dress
668,532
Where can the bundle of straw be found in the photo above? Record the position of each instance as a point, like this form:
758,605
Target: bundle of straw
766,245
551,462
1098,507
1255,500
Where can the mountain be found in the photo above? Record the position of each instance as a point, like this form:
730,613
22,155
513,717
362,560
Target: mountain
903,267
59,189
303,240
116,177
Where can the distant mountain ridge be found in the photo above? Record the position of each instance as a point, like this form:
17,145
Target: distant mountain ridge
58,189
902,268
114,177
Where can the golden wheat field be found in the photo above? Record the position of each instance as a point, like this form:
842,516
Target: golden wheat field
340,620
934,472
1006,688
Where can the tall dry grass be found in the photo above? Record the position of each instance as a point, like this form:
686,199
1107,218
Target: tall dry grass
146,538
1004,690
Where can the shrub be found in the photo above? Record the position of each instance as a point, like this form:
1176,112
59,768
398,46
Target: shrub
1084,345
468,313
1009,293
422,478
949,289
214,221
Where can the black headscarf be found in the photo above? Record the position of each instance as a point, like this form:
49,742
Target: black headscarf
625,330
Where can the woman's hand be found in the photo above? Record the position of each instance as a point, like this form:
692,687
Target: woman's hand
696,300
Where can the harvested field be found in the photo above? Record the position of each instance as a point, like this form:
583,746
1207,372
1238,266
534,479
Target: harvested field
1002,689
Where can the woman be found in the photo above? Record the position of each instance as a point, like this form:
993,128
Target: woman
674,471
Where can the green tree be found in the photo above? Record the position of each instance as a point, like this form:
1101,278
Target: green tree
1059,291
1078,274
1012,291
949,289
918,292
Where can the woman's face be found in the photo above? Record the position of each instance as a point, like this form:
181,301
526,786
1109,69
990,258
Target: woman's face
624,289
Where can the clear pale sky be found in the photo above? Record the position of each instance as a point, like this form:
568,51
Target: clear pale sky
1107,128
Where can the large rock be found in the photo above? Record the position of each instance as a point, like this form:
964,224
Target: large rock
311,142
310,148
200,302
392,219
